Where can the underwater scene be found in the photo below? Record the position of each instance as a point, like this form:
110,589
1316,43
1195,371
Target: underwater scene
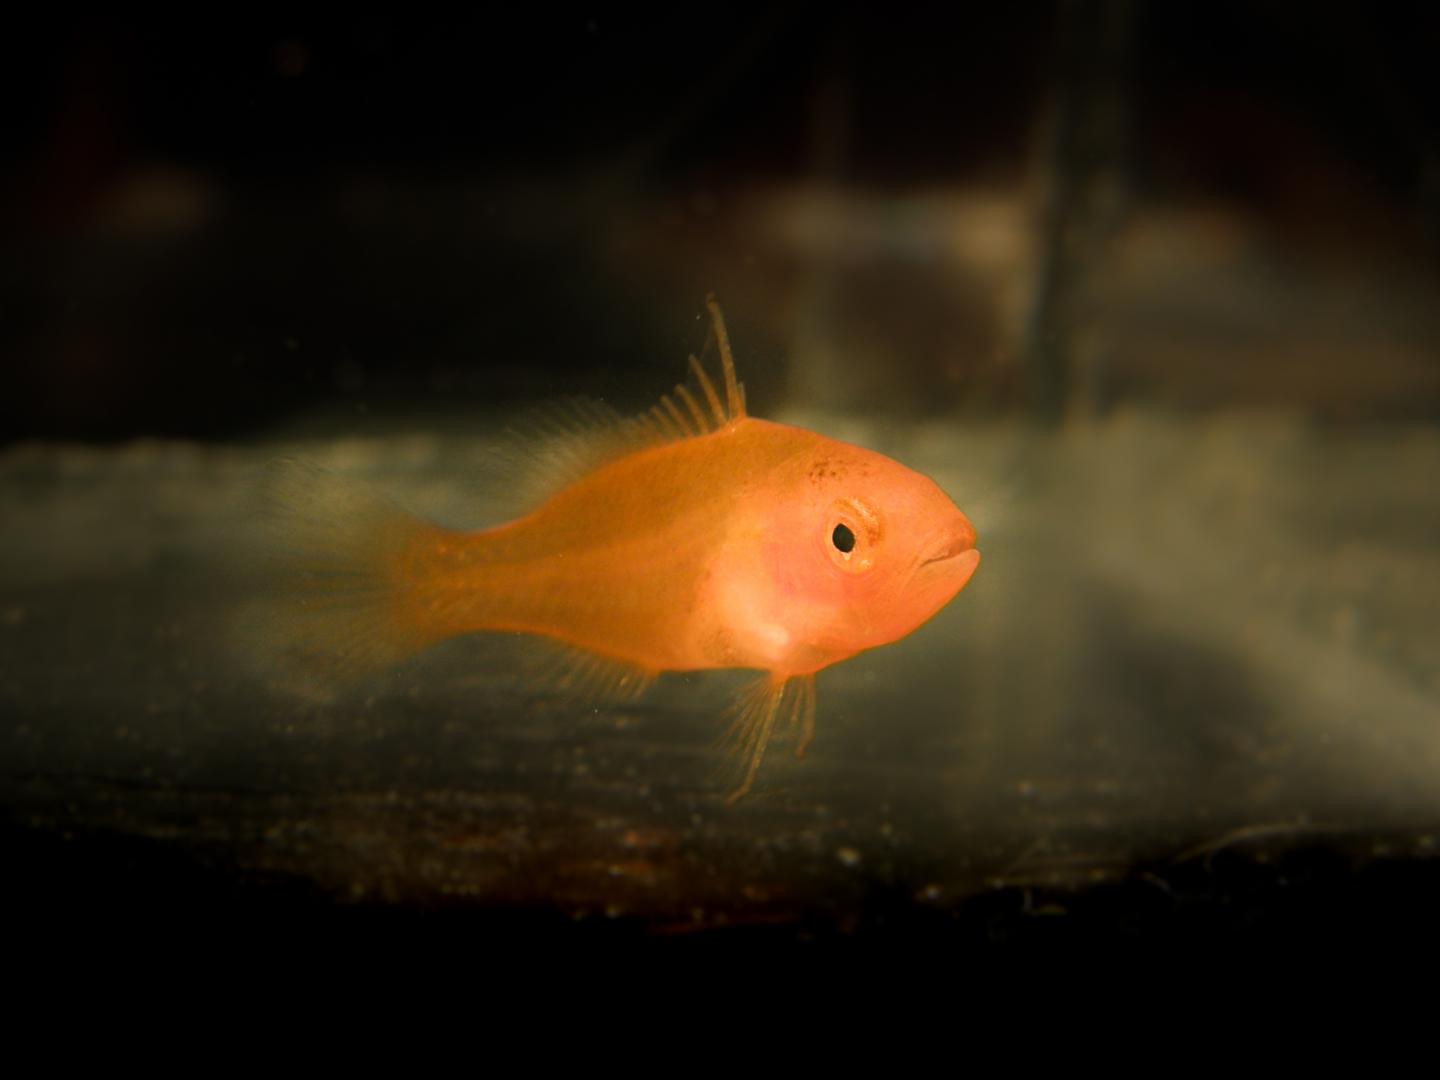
957,480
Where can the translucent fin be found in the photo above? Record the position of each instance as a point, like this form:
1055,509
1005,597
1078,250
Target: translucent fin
677,416
734,392
338,554
665,425
753,718
587,677
701,424
804,716
558,444
709,391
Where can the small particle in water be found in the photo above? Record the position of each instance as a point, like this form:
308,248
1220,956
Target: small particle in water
12,616
848,857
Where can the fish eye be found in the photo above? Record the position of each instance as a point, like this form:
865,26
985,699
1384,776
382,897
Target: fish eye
853,529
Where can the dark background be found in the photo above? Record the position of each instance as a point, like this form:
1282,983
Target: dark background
1154,288
209,223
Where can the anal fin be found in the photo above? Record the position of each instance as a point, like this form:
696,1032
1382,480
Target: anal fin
590,678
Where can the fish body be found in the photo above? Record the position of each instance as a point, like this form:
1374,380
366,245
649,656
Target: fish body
704,538
693,555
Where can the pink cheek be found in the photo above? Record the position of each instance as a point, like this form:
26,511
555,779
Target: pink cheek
798,578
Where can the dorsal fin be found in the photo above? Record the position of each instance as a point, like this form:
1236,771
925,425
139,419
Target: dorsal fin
557,444
734,392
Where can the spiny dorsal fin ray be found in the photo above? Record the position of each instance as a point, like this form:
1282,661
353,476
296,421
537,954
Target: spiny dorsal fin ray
677,416
555,445
734,392
709,389
683,393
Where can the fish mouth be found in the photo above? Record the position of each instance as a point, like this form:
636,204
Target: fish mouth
958,541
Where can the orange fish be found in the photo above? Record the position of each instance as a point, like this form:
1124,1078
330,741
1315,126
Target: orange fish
691,537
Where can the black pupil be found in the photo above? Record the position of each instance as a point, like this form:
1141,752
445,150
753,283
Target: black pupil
843,539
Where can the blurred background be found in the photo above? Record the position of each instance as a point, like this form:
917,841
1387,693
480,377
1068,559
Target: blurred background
1153,290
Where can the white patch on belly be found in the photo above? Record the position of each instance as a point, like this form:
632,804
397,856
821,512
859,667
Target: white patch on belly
758,641
775,637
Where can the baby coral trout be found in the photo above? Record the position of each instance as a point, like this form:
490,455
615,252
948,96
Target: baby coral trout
689,538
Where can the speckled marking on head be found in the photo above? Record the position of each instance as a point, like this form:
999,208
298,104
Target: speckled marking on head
828,469
821,471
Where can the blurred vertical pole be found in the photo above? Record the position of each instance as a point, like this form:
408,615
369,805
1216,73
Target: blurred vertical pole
817,376
1085,184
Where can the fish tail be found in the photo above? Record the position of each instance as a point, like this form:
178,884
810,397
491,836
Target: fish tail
346,583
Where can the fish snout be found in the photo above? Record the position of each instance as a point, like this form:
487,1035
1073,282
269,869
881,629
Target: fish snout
956,538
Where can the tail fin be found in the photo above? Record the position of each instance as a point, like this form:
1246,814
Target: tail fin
344,559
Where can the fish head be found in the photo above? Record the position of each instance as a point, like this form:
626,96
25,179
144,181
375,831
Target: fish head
863,550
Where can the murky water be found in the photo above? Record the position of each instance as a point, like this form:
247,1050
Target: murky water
1149,289
1190,639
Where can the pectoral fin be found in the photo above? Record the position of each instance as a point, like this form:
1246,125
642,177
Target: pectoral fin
753,719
